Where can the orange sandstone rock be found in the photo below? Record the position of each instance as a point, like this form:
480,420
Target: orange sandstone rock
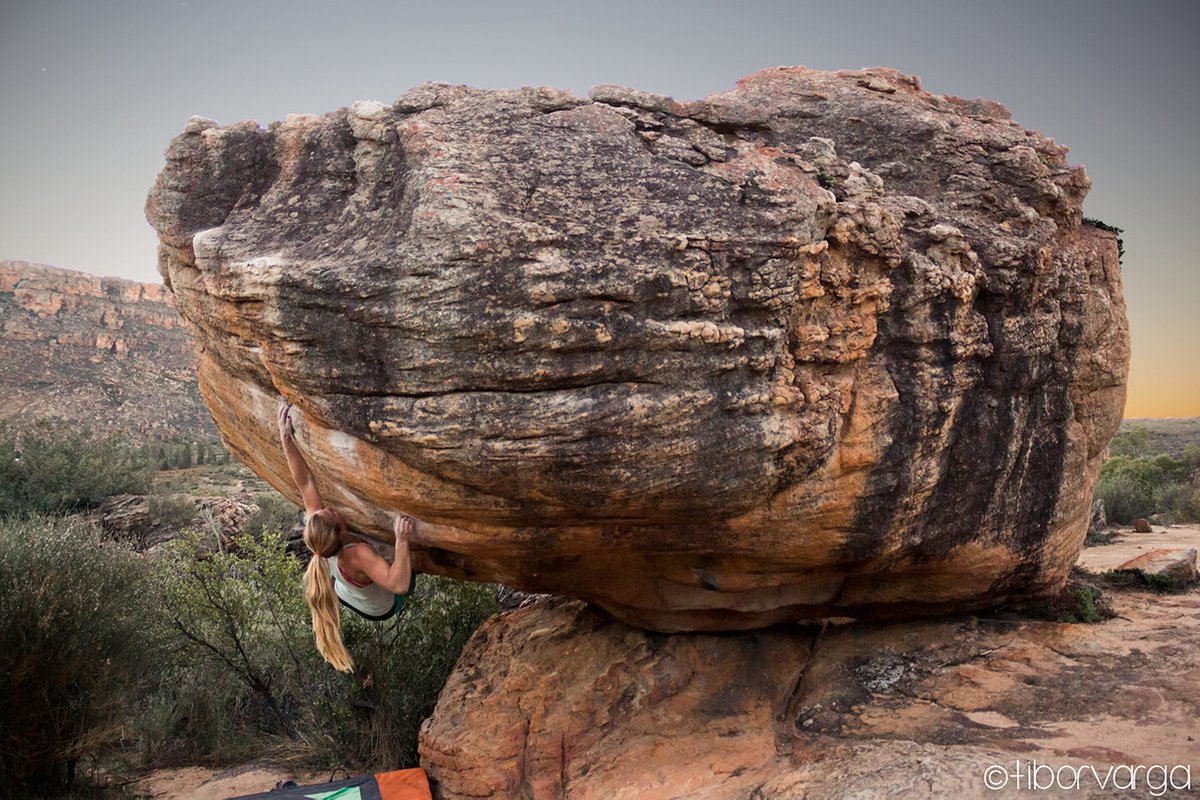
821,344
557,700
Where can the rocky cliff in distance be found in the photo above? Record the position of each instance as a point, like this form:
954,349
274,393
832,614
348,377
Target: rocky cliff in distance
824,344
108,353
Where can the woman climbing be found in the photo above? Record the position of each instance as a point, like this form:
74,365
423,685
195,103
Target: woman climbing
345,568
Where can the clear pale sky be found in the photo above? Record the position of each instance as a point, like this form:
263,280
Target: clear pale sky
91,92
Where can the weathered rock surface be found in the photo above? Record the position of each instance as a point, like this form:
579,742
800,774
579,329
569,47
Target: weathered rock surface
109,353
1175,564
143,521
556,700
821,344
1127,546
1098,525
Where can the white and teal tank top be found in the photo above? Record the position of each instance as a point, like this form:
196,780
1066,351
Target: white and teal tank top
371,598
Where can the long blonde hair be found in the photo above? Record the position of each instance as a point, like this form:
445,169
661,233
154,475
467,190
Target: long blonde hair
321,536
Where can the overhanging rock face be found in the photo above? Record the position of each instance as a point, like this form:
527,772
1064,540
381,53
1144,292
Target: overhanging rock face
821,344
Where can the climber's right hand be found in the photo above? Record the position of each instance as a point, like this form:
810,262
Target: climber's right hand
286,430
403,526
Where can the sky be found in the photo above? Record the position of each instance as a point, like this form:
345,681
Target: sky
91,92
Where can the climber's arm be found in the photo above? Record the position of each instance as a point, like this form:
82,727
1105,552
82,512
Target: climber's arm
396,576
301,474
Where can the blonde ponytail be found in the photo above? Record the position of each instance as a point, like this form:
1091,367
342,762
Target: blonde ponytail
321,536
326,620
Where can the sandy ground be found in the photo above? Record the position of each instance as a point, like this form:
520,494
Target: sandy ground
202,783
1128,544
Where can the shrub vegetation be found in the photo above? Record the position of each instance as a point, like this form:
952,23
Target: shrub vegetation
244,634
275,513
202,656
51,468
202,653
78,638
1134,483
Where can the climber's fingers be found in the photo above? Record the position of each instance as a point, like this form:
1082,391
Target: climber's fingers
285,421
403,526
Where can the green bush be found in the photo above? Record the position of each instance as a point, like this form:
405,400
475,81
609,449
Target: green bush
1173,469
50,467
1132,442
1136,579
244,634
76,630
1125,498
173,511
1082,600
1178,500
1150,471
1137,486
203,654
1144,470
402,665
242,613
196,713
1084,605
184,453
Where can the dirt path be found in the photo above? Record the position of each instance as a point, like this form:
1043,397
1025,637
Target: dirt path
1127,545
204,783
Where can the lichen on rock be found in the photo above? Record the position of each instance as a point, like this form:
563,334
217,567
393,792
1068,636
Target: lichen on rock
822,344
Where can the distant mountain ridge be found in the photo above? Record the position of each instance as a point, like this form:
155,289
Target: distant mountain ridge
109,353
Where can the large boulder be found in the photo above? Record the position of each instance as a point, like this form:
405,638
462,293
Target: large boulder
821,344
